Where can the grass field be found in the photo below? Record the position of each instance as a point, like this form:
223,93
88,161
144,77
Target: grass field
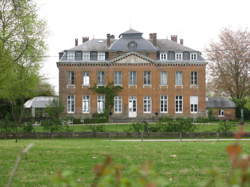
47,157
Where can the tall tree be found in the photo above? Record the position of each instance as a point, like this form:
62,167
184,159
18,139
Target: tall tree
230,63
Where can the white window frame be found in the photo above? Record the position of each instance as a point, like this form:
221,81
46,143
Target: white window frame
85,56
70,55
101,56
178,56
117,78
194,103
86,104
163,56
194,78
178,104
71,78
179,78
193,56
71,104
147,104
118,104
163,78
163,104
221,112
147,78
132,78
100,104
85,78
100,78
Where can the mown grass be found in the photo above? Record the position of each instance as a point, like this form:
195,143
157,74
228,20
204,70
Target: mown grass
47,157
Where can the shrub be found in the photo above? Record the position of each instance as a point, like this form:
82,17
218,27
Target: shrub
178,125
52,125
224,127
97,128
28,127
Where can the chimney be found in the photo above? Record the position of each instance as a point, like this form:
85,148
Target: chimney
108,40
84,39
76,42
174,38
181,41
153,38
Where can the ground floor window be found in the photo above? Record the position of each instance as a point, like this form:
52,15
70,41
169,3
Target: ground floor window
85,104
100,103
147,103
178,104
117,104
164,104
71,104
193,104
221,113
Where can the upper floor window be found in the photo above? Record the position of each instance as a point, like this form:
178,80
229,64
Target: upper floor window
193,104
100,78
193,56
86,56
163,78
178,104
86,104
71,104
71,77
178,56
118,78
132,78
85,79
101,56
178,79
171,55
147,78
194,78
164,104
100,103
117,104
78,55
147,104
163,56
70,55
93,55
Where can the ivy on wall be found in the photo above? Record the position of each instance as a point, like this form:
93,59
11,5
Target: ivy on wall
109,91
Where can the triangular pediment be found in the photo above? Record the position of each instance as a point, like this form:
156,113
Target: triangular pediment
132,58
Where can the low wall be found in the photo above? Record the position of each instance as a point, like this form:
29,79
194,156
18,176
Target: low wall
40,135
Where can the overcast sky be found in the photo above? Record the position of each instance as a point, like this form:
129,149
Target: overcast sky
198,22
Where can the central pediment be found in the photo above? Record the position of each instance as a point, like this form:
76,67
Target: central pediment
132,58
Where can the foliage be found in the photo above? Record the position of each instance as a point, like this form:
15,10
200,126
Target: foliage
224,127
178,125
97,128
28,127
52,125
230,63
109,91
54,109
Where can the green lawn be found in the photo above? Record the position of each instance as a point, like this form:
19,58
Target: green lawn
47,157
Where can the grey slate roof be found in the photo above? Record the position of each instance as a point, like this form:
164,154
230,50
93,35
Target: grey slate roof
39,102
169,45
92,45
219,102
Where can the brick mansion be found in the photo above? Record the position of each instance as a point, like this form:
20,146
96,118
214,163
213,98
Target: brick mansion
159,77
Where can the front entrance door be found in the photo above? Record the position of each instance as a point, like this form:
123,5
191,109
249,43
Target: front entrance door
132,112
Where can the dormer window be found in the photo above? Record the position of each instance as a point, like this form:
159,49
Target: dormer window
101,56
163,56
178,56
93,55
86,56
78,55
70,55
193,56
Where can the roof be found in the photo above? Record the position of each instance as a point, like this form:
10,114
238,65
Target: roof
39,102
92,45
219,102
169,45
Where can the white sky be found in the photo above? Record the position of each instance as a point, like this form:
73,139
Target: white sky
198,22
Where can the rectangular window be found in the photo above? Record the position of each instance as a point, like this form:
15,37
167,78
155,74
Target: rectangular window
71,104
171,55
132,78
178,104
101,56
147,104
93,55
118,104
178,56
85,104
147,78
100,103
163,78
194,78
178,79
163,56
78,55
86,56
71,77
100,78
85,79
164,104
193,56
221,113
70,55
193,104
118,78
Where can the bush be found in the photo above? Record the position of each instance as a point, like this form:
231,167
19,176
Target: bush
52,125
28,127
224,127
178,125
